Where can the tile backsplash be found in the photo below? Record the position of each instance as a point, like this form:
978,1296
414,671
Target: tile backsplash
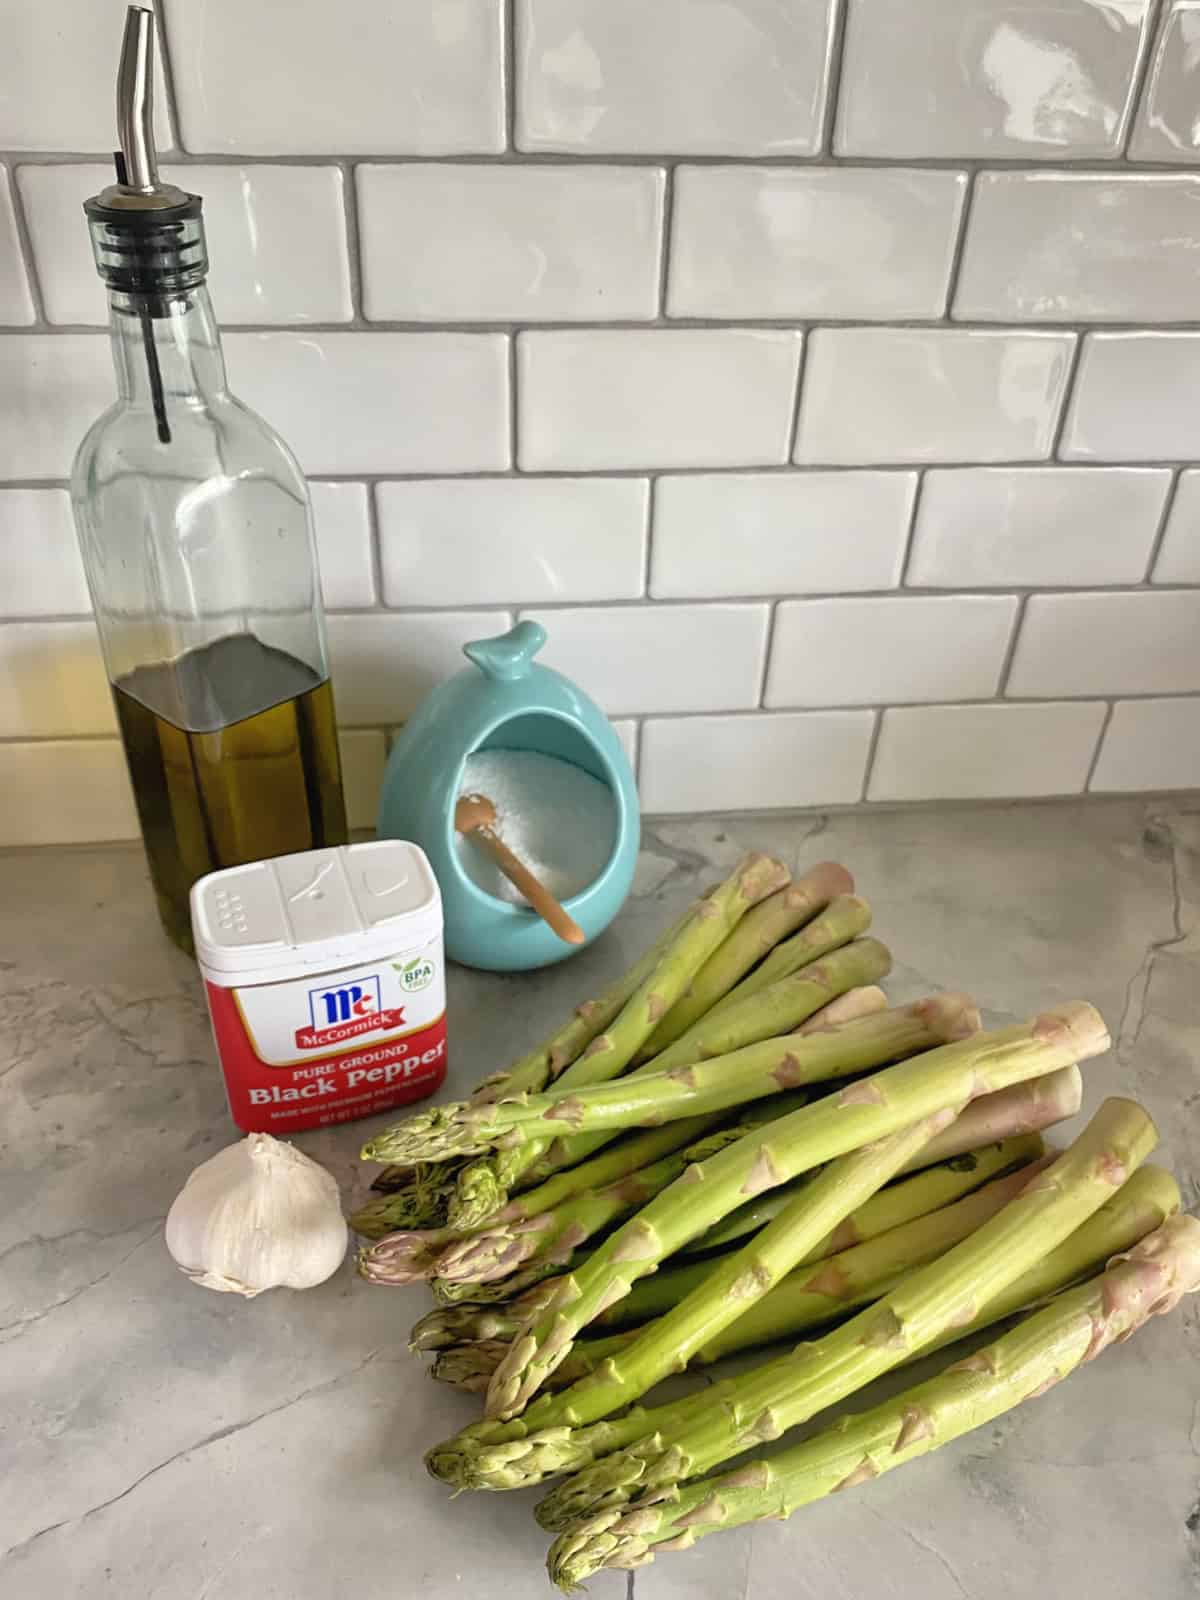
823,375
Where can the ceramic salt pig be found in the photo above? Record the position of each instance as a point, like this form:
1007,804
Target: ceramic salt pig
505,700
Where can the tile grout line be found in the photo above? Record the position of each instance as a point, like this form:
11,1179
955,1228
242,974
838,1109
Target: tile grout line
755,469
352,241
793,432
667,240
733,714
376,548
694,602
1070,385
26,256
1073,166
1096,753
1160,533
1000,693
910,539
1139,82
872,748
1001,327
959,251
512,384
508,73
767,649
649,535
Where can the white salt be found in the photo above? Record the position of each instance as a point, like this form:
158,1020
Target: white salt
555,817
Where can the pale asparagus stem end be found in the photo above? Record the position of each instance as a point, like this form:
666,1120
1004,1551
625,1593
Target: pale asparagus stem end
1076,1023
864,1001
951,1016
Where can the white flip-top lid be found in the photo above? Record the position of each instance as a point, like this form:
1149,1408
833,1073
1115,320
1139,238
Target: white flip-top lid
319,909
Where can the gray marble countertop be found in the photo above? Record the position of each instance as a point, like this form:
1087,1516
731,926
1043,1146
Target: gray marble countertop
160,1442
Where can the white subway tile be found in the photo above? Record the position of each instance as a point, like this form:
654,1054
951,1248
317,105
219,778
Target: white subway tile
1179,555
989,527
1111,644
65,792
660,658
423,78
1057,247
1150,744
907,647
499,243
482,540
812,242
746,533
663,398
342,523
1136,398
1167,128
384,666
626,731
57,72
276,240
379,402
754,763
364,755
41,573
52,680
16,302
52,388
977,752
878,395
746,77
988,77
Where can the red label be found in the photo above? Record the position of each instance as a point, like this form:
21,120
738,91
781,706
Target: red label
337,1086
372,1022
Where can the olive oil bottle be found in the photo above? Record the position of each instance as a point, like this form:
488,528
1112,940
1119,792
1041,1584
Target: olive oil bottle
196,532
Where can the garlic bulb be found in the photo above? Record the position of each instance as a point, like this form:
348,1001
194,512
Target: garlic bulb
259,1215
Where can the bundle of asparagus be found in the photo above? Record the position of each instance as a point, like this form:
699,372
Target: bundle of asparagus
740,1144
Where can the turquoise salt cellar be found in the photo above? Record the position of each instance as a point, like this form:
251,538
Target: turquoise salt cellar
505,701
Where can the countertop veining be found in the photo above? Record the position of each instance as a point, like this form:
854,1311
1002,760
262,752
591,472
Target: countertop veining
161,1441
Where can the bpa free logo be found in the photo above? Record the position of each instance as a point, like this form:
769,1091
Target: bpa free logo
333,1008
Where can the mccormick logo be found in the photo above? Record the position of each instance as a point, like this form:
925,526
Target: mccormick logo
345,1013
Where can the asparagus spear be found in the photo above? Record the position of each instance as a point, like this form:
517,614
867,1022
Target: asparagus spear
1031,1105
945,1295
1025,1108
784,1005
1039,1352
844,917
733,1285
414,1254
927,1190
553,1235
484,1186
842,1122
758,933
1142,1204
893,1206
430,1188
804,1298
862,1001
544,1063
651,1098
782,961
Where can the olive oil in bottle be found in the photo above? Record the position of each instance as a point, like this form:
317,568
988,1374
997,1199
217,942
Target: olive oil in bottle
197,541
215,788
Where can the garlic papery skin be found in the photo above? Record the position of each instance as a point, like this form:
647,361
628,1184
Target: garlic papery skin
260,1215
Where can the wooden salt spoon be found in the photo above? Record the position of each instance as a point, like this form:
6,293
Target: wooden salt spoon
475,817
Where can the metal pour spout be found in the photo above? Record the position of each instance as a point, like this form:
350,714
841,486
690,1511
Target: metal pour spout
135,103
